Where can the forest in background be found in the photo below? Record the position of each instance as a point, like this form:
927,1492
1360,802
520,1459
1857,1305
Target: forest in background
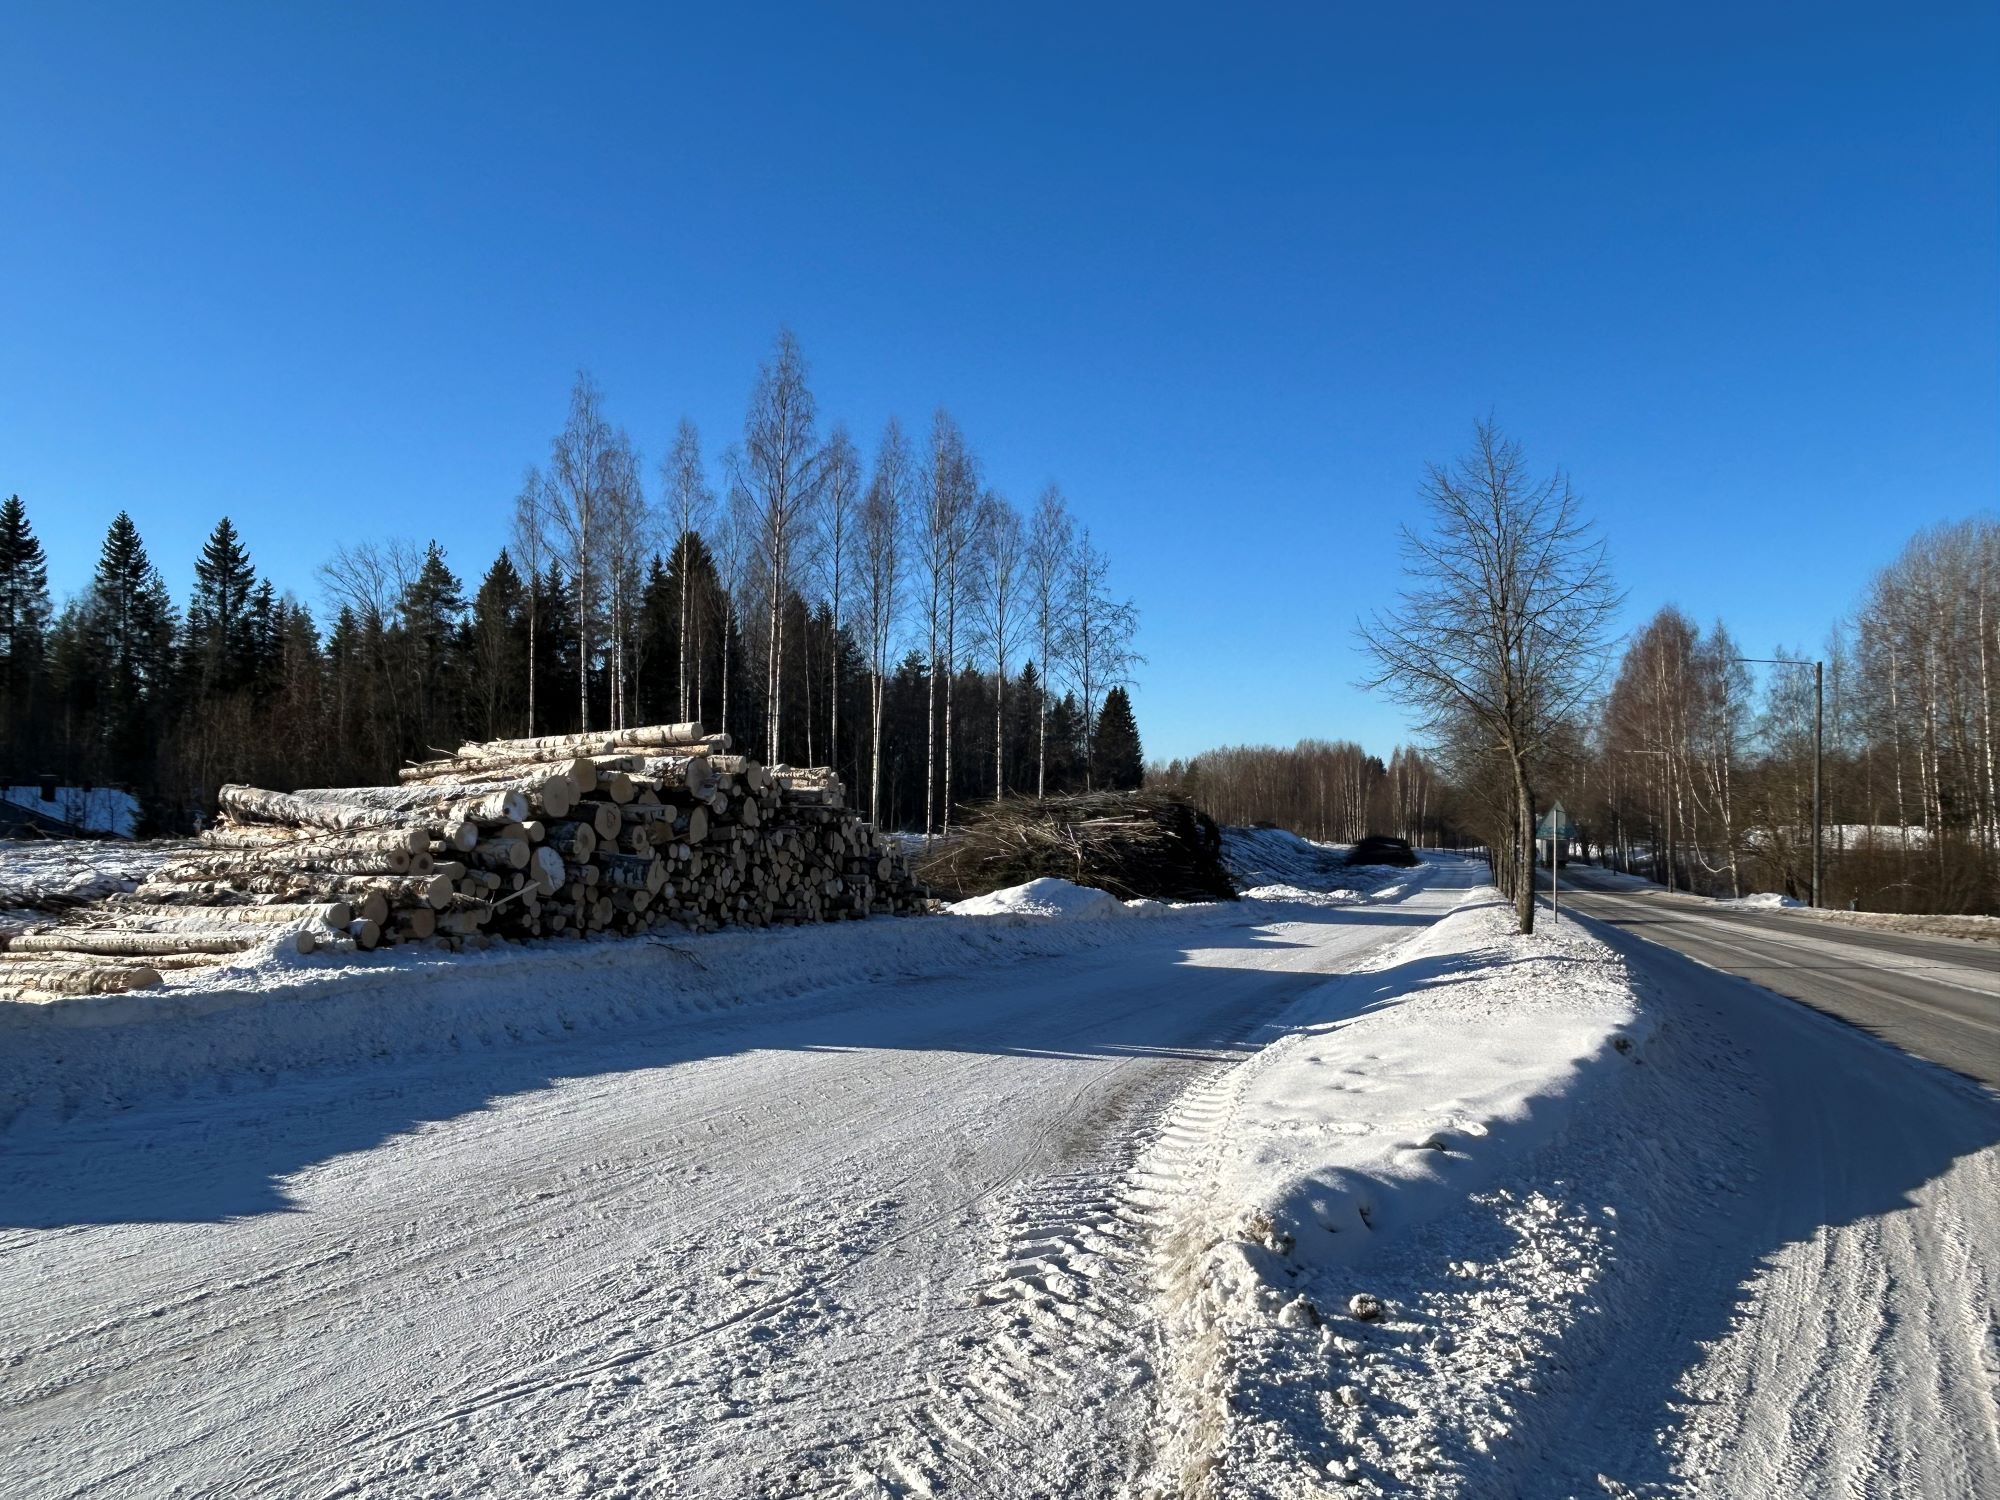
894,617
1330,790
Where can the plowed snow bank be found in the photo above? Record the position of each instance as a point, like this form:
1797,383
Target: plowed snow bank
1397,1098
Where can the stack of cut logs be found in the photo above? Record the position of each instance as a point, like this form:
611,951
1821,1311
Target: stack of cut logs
617,832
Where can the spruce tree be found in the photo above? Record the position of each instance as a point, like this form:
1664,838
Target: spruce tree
264,664
498,643
1066,748
24,626
129,624
428,619
220,644
1118,764
556,647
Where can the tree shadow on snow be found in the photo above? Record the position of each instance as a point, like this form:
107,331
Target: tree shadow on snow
226,1149
1807,1098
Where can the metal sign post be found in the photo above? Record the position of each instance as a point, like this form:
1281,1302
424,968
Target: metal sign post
1555,825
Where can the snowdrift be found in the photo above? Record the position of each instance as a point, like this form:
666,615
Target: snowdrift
1275,864
1047,897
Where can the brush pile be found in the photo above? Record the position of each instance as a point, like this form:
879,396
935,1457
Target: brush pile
619,832
1130,844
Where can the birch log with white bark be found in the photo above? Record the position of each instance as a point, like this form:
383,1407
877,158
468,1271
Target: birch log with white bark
33,981
257,836
599,742
255,805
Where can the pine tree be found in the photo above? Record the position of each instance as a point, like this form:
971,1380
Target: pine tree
24,626
1118,763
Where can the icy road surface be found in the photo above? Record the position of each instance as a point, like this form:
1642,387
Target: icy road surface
742,1256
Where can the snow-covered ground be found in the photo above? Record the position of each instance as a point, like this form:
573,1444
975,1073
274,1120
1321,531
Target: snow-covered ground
1029,1200
1762,901
1320,1322
57,872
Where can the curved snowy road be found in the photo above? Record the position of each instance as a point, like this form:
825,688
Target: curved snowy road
744,1256
1813,1302
1938,997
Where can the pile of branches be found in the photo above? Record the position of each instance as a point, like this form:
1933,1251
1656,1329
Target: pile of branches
1130,844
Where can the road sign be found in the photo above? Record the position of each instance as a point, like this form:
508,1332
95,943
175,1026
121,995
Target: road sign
1555,824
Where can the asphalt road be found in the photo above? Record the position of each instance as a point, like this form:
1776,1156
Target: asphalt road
1933,996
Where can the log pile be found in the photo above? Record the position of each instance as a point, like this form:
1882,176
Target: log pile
561,836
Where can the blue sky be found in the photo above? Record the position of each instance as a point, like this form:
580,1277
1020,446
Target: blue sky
1229,275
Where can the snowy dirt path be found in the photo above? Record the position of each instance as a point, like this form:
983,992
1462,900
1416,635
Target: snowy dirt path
863,1241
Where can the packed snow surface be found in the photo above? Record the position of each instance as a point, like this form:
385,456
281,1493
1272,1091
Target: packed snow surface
1286,1196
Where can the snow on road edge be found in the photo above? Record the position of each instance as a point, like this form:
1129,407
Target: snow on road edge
1380,1148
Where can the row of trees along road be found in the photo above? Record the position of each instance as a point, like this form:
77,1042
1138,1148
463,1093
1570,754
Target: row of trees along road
1694,764
1700,769
891,615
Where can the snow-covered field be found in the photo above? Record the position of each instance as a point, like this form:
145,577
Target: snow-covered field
1035,1198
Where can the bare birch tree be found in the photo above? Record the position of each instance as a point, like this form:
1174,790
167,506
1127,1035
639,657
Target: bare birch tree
1050,538
840,494
530,546
689,504
1101,632
629,531
881,522
948,499
779,475
574,496
1500,631
1002,550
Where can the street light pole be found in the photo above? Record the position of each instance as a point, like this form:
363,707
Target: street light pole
1819,747
1819,764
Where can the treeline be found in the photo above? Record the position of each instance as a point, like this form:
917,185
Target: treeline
1333,791
1698,777
895,617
